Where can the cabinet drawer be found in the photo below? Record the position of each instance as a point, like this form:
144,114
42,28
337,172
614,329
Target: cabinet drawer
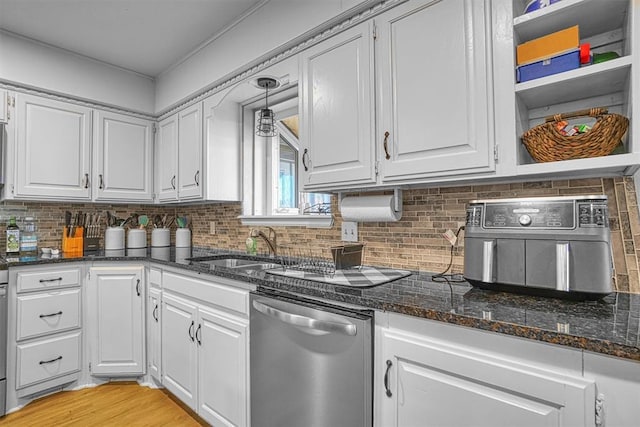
47,359
43,313
210,292
47,279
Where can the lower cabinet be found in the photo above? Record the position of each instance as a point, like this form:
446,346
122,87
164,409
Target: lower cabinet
431,381
116,304
205,351
154,330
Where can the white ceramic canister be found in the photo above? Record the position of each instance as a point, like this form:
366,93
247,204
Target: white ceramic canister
114,252
141,252
161,253
114,238
160,237
136,238
182,254
183,238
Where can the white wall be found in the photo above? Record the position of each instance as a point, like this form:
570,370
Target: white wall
28,63
269,27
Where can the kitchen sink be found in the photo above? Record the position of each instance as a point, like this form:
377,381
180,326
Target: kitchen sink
236,263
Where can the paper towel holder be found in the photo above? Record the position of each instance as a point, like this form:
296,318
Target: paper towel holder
397,199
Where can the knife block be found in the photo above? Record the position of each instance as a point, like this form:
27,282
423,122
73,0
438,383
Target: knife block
73,245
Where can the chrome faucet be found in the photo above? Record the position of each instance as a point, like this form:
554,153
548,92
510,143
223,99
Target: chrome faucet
270,240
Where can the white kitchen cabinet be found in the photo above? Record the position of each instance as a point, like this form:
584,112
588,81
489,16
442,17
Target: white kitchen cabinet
4,108
205,347
434,104
116,320
179,156
52,150
122,158
337,116
222,368
44,330
154,333
454,378
618,382
179,352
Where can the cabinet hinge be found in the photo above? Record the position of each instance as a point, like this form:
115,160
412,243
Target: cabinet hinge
13,189
377,167
154,128
599,410
495,153
375,32
11,101
89,367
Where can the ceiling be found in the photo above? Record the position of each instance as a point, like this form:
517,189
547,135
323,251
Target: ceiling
145,36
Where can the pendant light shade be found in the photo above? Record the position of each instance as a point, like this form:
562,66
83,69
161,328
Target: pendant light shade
266,125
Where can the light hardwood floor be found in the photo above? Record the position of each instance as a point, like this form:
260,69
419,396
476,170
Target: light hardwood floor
113,404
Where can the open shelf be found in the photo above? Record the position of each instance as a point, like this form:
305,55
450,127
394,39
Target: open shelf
585,82
612,165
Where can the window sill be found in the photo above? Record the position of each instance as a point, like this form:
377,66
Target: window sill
309,221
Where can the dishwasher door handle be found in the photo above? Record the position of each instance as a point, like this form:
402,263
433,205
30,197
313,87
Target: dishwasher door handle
306,322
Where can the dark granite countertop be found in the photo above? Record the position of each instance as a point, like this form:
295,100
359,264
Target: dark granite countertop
609,326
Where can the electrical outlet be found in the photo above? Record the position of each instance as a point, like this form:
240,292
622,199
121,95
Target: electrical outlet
350,231
212,227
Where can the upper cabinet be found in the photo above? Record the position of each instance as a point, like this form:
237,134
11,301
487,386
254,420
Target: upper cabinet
434,90
52,150
49,153
179,156
122,157
337,121
426,115
4,100
607,26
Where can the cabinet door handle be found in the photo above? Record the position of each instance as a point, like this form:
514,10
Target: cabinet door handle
173,182
386,147
44,362
386,379
198,334
138,287
86,180
155,313
57,279
101,185
42,316
196,178
191,331
305,154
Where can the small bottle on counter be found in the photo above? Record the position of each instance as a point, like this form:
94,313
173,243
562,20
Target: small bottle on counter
28,237
13,237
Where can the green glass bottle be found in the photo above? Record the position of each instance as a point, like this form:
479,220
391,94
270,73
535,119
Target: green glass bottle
13,237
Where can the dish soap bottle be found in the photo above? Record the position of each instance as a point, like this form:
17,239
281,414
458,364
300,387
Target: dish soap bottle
28,237
13,237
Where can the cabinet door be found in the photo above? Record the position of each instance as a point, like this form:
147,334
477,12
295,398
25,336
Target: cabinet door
3,106
223,366
53,149
433,383
167,159
122,157
179,351
190,153
433,70
116,320
154,329
337,102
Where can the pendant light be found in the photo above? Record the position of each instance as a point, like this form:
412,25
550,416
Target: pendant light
266,125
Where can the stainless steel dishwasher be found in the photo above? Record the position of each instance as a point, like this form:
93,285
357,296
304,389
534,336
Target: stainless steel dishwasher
311,363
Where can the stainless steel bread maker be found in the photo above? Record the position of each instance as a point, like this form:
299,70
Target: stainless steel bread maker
554,246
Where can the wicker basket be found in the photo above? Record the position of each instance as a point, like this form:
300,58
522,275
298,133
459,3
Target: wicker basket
546,144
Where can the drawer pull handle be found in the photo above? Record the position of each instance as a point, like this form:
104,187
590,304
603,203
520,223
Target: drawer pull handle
191,331
386,379
42,316
155,313
138,287
198,335
44,362
57,279
386,148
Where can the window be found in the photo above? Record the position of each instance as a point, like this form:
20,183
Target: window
271,184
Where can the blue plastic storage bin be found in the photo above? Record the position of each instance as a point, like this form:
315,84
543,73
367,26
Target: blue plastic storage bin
547,67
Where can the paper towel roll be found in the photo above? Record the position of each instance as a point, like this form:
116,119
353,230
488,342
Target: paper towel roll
369,208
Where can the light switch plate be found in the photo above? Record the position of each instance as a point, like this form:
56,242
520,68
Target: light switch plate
212,227
350,231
